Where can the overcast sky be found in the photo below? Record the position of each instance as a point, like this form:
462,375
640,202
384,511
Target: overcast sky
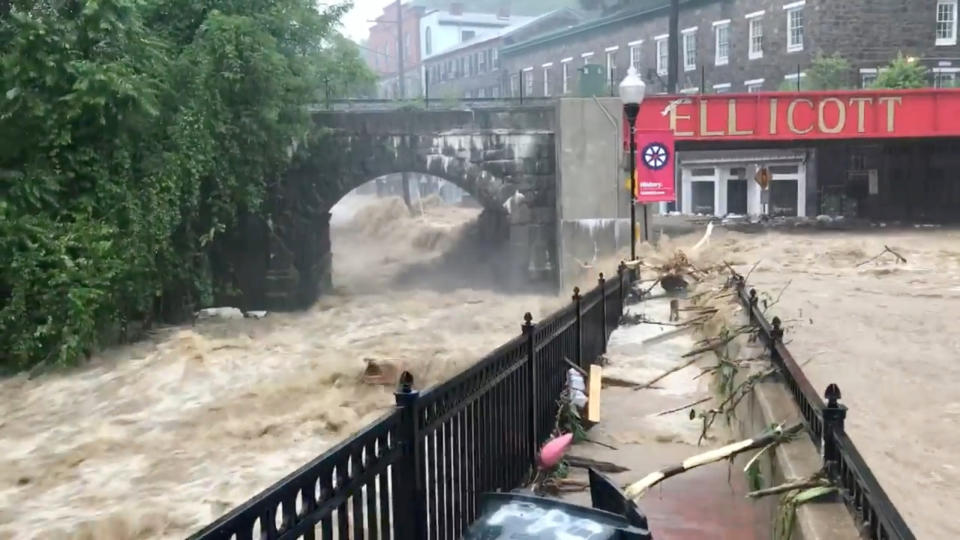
355,24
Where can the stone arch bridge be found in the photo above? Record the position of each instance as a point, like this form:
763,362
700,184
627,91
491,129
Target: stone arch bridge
505,158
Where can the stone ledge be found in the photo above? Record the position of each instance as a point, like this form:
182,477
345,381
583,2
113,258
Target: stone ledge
771,403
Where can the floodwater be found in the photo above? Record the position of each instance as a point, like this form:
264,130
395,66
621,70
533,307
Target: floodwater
156,439
885,332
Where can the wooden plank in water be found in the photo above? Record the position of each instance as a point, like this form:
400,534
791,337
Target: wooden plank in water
596,382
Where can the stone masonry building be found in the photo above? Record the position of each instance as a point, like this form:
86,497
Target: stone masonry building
744,45
747,46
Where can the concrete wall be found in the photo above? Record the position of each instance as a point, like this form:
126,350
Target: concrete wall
592,203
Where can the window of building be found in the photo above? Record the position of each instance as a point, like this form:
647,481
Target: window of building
546,78
858,161
755,27
721,30
662,55
565,74
689,49
484,60
722,88
514,85
482,93
528,81
495,91
868,76
946,22
635,53
794,26
428,41
945,77
467,35
586,57
754,85
495,54
611,64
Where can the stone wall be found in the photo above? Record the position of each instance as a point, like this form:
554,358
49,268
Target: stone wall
871,32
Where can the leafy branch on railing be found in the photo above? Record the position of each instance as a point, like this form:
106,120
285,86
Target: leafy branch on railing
794,494
770,437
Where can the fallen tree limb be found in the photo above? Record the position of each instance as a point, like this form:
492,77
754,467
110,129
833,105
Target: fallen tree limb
663,375
618,382
776,435
886,249
789,486
598,443
587,463
577,368
767,307
687,406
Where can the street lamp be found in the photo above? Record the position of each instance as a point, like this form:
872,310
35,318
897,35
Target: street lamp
632,91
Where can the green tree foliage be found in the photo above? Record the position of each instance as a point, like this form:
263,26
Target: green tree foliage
825,73
902,73
829,73
133,134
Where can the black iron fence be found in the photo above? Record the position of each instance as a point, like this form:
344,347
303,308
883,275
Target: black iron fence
876,516
417,472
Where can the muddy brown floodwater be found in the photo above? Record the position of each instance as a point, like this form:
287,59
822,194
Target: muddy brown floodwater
156,439
886,334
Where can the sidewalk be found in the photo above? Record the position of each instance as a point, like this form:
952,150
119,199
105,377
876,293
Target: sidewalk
704,503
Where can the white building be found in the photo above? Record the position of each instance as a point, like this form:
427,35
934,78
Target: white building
442,30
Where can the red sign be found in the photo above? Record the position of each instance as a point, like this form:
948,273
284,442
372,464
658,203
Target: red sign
783,116
655,182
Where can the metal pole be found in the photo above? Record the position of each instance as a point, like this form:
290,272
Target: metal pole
521,87
674,46
798,77
632,110
400,83
426,88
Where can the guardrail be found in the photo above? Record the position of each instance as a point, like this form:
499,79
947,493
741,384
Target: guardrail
418,471
877,517
429,103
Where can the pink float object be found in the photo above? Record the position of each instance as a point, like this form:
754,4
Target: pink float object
553,451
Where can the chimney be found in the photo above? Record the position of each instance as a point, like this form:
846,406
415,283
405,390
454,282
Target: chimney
456,8
503,13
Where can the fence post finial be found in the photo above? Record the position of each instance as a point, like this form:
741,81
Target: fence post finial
834,416
777,332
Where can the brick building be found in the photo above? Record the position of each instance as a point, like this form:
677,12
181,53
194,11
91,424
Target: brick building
747,46
382,54
471,69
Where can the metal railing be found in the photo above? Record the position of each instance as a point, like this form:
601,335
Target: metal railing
417,472
876,515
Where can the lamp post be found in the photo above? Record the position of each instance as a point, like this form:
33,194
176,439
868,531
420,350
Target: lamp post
632,91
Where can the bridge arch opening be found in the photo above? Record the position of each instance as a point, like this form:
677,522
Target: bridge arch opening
437,237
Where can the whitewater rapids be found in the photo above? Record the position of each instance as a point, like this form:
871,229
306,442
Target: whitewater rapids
157,439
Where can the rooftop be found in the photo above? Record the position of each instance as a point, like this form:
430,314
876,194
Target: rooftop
519,23
640,9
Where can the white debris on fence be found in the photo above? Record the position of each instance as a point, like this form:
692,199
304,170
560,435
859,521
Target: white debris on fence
577,388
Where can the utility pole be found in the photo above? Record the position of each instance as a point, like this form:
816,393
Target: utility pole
401,93
674,47
400,86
